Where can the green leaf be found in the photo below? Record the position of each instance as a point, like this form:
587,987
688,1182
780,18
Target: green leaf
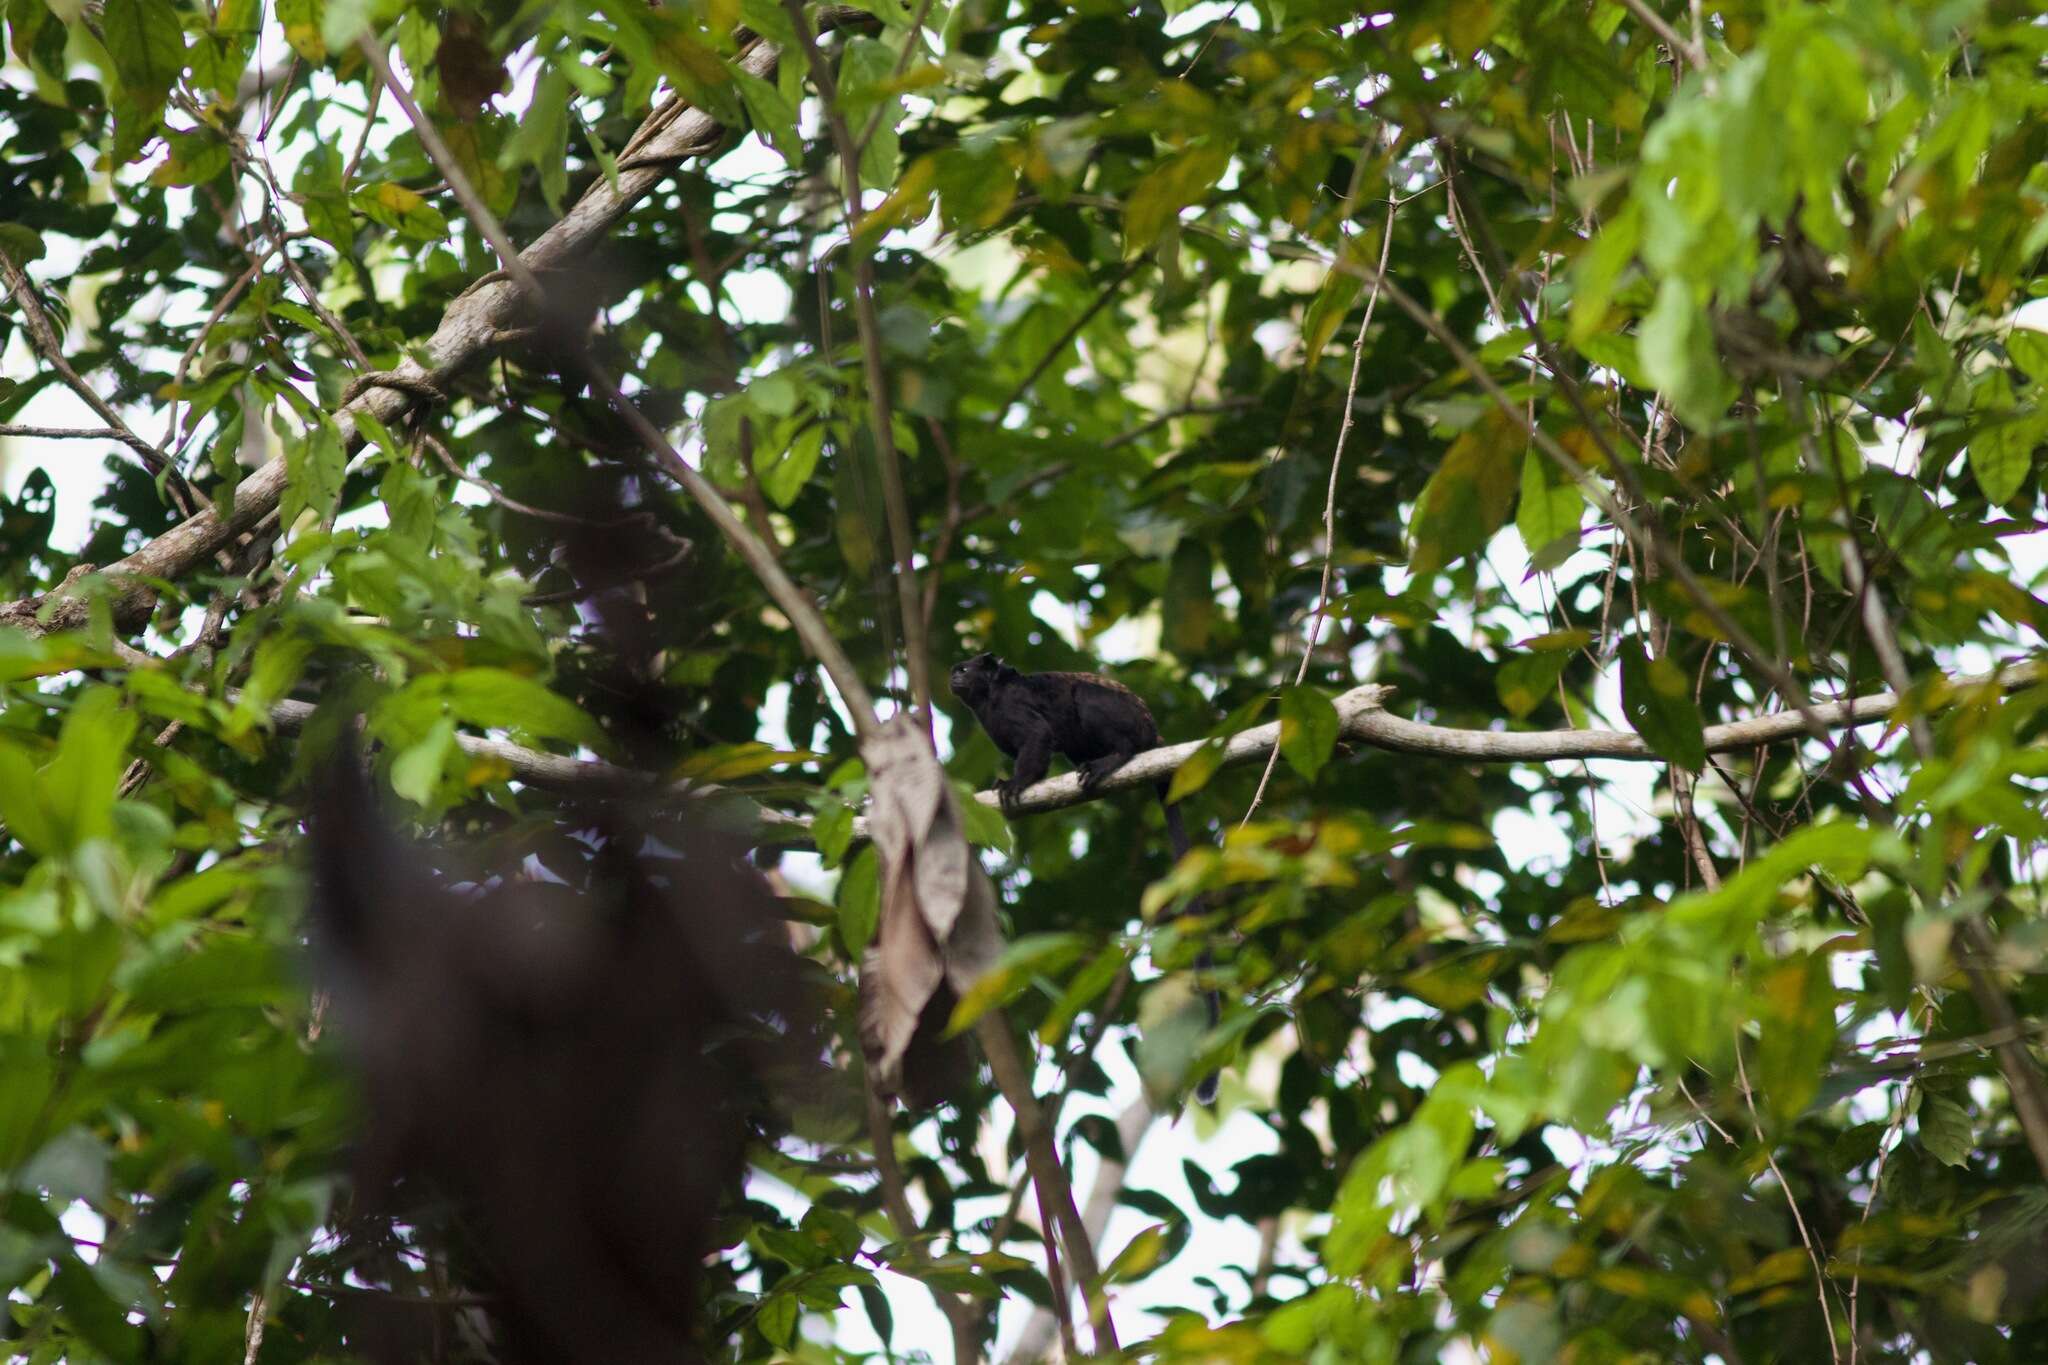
1945,1130
1796,1032
305,24
2029,350
416,773
1467,499
496,698
1676,343
1599,268
342,22
402,210
1326,314
1022,962
1195,771
1088,983
784,476
147,46
1526,681
860,900
541,138
1656,696
777,1319
832,829
1308,730
2001,452
92,750
1142,1255
1189,604
984,824
773,116
314,469
1167,189
1549,513
21,806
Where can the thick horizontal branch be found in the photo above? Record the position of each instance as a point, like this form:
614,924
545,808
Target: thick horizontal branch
1361,719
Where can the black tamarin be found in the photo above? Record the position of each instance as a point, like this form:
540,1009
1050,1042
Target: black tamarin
1094,722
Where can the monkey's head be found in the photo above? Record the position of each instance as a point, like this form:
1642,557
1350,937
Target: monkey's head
973,678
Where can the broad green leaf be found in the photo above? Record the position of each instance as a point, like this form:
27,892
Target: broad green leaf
860,900
1526,681
1656,696
1190,602
314,467
402,210
2029,350
783,477
305,24
1140,1256
983,824
499,699
1676,343
147,45
416,773
1795,1010
1088,983
1022,962
1468,497
21,805
1308,730
777,1318
832,829
1945,1130
1167,189
78,785
1549,512
2001,452
773,116
1195,771
730,762
1340,289
1599,268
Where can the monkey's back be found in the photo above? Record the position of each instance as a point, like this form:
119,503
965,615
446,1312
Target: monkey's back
1094,716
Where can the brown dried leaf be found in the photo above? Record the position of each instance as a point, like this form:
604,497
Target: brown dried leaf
937,931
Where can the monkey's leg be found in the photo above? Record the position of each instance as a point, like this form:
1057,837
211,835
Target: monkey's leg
1034,757
1095,769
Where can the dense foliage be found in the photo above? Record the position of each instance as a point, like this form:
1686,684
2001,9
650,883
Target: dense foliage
1567,365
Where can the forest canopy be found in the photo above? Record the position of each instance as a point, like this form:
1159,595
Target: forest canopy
1563,475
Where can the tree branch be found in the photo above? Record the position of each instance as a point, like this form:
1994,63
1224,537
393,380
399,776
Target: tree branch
1360,717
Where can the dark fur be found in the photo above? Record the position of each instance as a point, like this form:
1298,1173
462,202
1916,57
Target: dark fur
1096,723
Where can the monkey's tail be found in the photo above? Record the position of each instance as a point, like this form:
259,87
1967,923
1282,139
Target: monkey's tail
1177,835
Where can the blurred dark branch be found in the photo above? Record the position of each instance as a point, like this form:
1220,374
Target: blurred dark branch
469,332
795,603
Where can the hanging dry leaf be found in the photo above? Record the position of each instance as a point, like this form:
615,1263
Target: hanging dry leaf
937,931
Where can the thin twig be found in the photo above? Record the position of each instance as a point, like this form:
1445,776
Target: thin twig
917,657
1656,23
1315,628
1820,1279
1066,338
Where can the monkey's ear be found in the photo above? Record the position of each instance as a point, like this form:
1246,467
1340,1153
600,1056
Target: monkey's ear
985,660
